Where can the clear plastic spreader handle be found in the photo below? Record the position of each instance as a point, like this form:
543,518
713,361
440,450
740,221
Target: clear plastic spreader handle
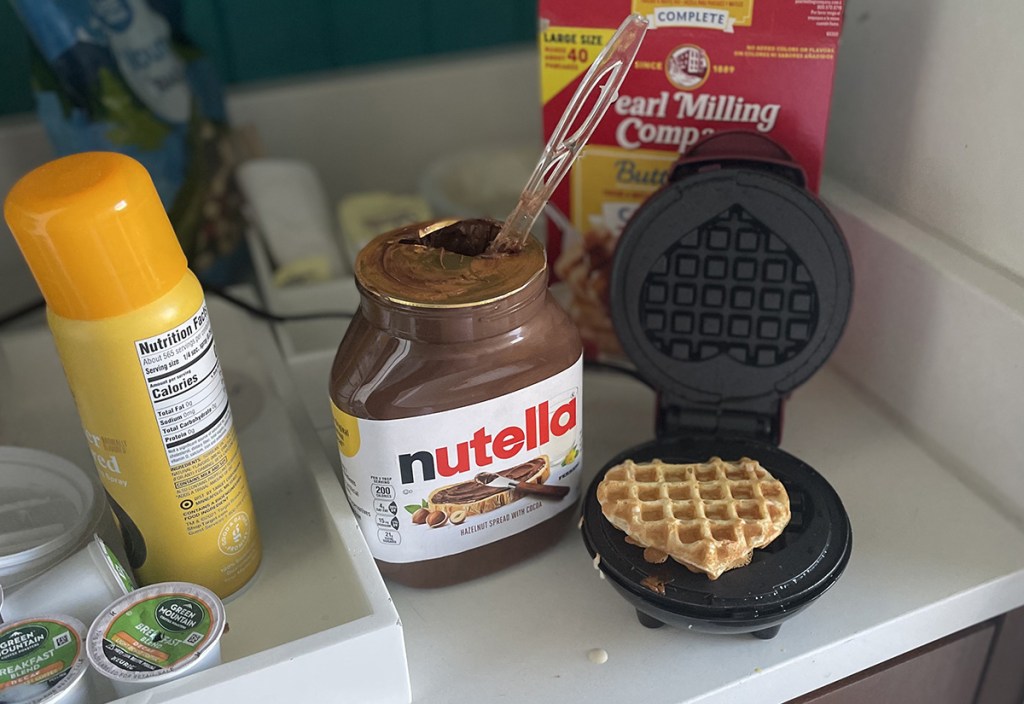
606,73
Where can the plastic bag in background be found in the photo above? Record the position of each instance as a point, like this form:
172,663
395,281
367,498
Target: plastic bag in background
119,75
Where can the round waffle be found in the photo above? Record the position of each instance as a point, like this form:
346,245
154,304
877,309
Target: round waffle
708,516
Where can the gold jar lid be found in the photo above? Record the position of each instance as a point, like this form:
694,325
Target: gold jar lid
444,264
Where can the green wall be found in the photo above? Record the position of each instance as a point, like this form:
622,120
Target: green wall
15,95
252,40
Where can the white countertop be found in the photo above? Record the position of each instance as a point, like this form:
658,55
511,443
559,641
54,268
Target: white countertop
929,558
931,554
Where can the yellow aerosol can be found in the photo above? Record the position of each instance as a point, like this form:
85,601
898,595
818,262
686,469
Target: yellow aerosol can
133,334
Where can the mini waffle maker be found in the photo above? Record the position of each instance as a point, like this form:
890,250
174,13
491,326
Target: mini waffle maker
730,287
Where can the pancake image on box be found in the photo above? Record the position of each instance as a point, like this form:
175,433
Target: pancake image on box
730,287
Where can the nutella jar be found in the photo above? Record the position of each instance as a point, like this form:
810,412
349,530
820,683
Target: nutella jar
457,400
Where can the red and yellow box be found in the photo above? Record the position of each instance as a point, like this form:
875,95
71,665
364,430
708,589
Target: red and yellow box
705,66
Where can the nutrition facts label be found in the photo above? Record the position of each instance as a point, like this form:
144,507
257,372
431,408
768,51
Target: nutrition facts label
385,511
186,388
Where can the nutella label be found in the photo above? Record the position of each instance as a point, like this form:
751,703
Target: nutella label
441,484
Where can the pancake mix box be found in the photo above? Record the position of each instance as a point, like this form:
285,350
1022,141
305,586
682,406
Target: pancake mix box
705,66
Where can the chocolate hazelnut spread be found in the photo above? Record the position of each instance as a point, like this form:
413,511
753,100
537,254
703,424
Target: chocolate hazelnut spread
485,484
458,364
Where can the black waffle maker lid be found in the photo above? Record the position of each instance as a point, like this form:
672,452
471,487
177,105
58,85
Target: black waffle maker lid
730,287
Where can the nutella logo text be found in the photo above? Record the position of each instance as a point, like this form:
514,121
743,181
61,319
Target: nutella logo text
540,425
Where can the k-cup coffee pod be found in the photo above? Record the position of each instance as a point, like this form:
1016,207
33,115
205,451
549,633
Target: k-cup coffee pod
156,634
42,660
82,586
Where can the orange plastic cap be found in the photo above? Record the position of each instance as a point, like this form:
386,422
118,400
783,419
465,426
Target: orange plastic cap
95,235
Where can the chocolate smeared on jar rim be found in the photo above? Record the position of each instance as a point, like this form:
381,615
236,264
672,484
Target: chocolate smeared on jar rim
446,265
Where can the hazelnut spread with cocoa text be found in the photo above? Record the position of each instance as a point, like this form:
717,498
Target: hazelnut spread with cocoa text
456,395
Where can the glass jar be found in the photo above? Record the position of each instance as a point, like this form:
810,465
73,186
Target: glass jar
456,393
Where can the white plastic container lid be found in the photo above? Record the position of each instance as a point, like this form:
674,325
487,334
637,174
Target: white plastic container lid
49,508
81,585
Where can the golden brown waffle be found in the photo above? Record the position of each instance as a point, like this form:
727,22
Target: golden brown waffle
708,517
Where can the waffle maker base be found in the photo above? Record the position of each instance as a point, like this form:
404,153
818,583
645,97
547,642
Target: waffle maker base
782,579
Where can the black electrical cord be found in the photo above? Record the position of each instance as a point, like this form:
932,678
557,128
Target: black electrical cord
26,309
590,365
266,314
215,290
263,314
